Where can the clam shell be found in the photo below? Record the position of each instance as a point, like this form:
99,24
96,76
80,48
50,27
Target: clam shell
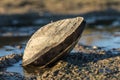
53,41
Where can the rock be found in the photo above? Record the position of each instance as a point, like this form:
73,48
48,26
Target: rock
52,41
9,60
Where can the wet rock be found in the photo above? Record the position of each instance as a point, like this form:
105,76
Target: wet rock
9,60
10,76
53,41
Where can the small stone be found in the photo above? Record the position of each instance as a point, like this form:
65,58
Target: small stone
101,70
19,46
95,47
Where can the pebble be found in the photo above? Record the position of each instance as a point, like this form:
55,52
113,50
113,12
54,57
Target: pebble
86,64
95,47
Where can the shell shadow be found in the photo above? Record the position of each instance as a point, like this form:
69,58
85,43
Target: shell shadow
80,58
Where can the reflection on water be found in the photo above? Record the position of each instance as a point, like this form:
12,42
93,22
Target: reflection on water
6,50
106,37
10,45
16,68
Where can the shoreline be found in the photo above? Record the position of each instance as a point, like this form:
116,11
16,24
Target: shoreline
89,62
29,19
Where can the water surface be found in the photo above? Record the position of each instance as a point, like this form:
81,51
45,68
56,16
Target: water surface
108,37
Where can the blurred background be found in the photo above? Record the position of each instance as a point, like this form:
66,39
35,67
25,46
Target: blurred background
19,19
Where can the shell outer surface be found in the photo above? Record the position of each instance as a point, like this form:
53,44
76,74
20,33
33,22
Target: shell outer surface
52,41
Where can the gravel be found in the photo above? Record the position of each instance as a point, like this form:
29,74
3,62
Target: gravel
9,60
87,63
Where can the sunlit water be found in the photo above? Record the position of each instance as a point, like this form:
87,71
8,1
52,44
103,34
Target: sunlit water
108,37
104,37
16,68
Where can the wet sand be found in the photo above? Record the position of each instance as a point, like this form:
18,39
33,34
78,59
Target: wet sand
84,63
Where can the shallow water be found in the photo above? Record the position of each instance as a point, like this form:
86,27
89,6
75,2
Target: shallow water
105,37
16,68
102,36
